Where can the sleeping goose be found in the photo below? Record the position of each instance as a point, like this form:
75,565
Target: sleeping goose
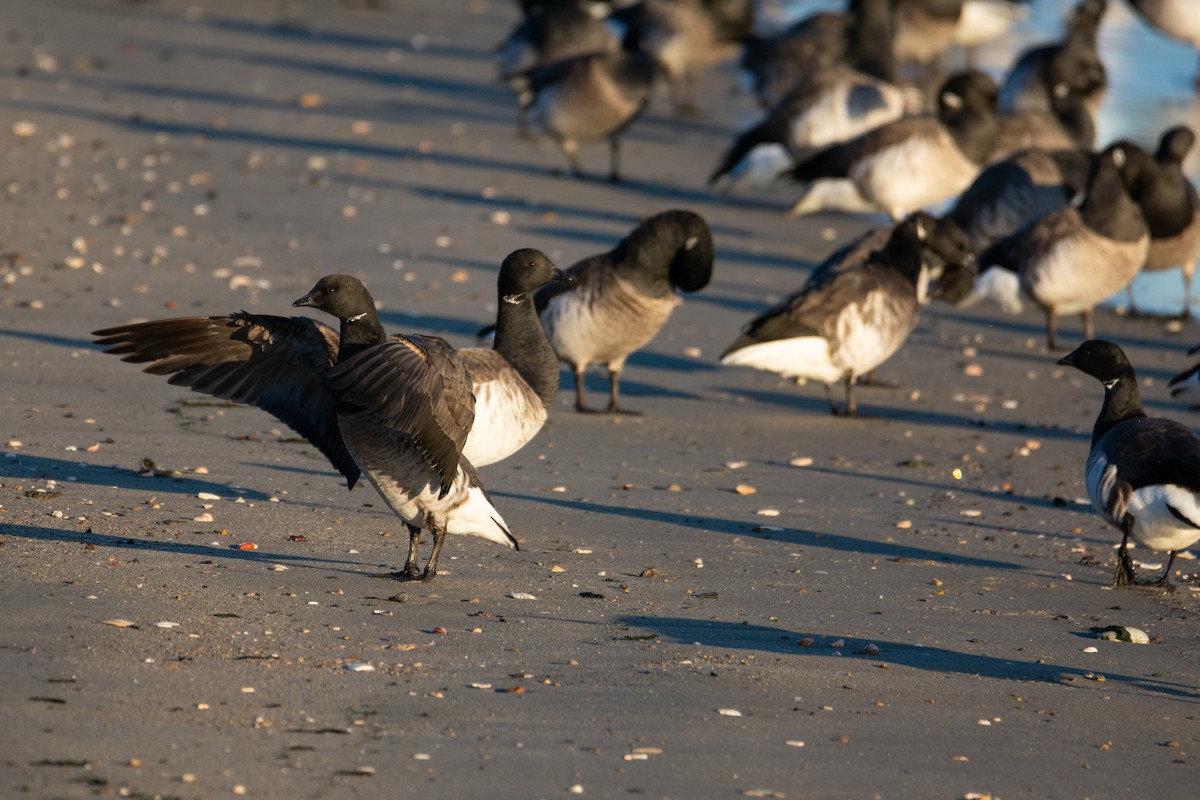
587,98
282,365
619,300
845,325
913,162
1143,473
1171,207
1071,259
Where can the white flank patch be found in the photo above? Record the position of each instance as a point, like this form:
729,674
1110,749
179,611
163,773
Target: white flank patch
914,174
801,357
1001,286
1154,524
832,194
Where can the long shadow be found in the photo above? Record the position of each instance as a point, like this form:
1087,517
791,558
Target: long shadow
809,400
828,541
28,466
49,338
259,556
739,636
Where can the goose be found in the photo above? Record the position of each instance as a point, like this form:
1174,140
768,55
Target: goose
1171,207
1074,61
847,322
833,103
1006,196
1067,125
686,37
586,98
776,64
284,365
617,301
1143,473
915,161
552,30
514,382
1069,260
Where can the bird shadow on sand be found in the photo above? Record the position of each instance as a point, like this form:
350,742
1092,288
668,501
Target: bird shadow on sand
739,636
828,541
75,473
180,548
49,338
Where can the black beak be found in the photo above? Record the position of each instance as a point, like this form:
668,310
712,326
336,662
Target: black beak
560,276
1067,360
307,300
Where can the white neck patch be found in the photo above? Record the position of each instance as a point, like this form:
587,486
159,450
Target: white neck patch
356,317
513,299
1112,383
691,242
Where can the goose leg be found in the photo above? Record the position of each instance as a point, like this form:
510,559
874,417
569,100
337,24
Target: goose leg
851,403
1165,580
580,406
1089,330
439,538
1189,269
1051,342
1125,575
614,391
614,158
570,149
410,566
833,409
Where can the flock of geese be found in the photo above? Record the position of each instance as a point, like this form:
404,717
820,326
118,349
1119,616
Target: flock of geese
1039,213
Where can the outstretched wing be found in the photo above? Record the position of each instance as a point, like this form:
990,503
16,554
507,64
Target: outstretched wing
278,364
417,385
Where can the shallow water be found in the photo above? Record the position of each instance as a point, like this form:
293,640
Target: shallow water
1151,88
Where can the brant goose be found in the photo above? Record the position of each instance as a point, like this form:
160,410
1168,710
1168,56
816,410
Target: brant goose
1143,473
620,299
552,30
916,161
588,97
777,64
685,37
401,409
1171,208
1006,196
515,382
836,102
848,321
1074,61
1071,259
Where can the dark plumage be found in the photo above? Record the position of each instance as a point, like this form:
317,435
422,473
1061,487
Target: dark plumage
398,410
1171,208
1070,259
588,97
686,37
620,299
1142,473
515,382
916,161
1073,61
850,317
552,30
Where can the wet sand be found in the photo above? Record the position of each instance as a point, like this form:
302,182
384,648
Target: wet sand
865,625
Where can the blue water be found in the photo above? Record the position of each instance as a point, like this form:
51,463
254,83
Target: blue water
1151,88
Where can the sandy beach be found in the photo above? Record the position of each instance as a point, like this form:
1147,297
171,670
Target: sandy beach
733,595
